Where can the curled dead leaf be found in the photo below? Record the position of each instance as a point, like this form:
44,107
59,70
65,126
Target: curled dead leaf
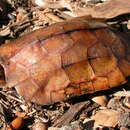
126,102
108,118
101,100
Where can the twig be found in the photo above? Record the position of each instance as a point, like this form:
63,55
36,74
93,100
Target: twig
11,97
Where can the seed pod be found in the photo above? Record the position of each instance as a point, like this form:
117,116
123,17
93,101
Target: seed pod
16,124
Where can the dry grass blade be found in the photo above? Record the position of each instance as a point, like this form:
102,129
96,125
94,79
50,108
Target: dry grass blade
11,97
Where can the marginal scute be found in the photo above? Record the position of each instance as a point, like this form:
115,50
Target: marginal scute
106,36
124,66
100,83
86,87
53,88
116,77
118,49
58,96
72,25
99,50
25,85
85,37
72,91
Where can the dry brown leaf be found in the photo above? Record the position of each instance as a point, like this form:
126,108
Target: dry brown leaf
107,9
101,100
108,118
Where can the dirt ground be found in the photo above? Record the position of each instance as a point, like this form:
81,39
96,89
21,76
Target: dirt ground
103,110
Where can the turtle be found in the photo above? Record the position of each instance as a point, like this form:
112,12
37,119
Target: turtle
66,59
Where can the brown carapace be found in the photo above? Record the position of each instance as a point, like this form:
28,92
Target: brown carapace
66,59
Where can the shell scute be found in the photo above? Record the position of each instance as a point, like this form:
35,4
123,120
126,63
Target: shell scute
15,73
58,43
74,54
80,72
36,53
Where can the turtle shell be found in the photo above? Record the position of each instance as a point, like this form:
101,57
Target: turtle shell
66,59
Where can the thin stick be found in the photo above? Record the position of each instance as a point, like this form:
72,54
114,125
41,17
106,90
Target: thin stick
11,97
